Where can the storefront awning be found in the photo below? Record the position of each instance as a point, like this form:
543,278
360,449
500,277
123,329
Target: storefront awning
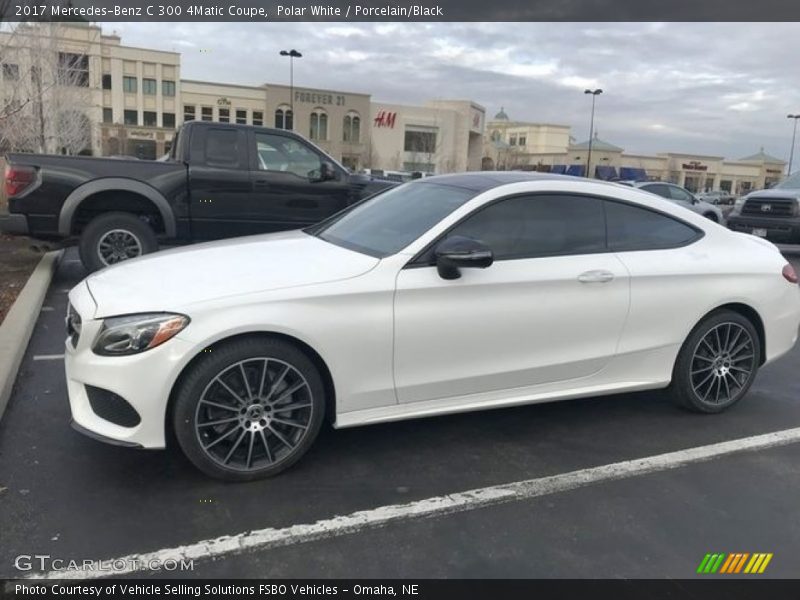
604,172
560,169
632,173
576,170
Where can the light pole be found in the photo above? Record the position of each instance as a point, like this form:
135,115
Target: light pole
594,94
292,54
794,136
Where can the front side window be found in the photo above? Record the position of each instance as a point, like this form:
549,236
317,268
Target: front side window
390,221
538,225
680,194
658,189
635,228
278,153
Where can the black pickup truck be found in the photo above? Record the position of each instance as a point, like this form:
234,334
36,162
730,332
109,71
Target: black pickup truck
219,181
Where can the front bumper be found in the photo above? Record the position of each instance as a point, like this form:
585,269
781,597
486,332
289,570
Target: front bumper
143,380
781,230
14,224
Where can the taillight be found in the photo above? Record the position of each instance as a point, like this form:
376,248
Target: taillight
789,274
18,179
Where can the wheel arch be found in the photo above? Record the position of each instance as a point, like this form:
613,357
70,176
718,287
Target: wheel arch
310,352
749,313
99,189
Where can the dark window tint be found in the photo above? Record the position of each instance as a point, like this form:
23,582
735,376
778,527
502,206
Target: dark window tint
529,226
633,228
168,120
106,81
150,118
222,148
131,117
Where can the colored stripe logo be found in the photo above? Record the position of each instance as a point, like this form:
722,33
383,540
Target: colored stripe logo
737,562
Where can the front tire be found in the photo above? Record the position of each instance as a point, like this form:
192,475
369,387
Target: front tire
249,409
115,237
717,363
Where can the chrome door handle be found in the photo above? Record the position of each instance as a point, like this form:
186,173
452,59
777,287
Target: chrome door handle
599,276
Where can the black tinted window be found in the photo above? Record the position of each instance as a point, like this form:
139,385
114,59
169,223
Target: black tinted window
633,228
530,226
222,148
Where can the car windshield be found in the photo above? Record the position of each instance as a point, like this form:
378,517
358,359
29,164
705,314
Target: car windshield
790,183
390,221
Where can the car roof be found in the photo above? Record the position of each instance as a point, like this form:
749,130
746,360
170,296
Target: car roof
481,181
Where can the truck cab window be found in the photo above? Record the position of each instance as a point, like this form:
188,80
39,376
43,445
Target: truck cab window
278,153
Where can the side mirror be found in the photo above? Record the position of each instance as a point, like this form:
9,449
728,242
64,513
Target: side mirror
326,171
460,252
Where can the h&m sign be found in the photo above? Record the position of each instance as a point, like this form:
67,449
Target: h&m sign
385,118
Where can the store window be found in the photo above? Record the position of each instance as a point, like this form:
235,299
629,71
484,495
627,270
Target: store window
73,69
258,118
351,128
129,85
318,129
131,117
107,81
108,115
189,112
149,87
224,115
150,118
168,120
168,88
206,113
241,116
284,118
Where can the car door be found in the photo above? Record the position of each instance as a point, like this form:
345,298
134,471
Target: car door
290,186
219,182
550,308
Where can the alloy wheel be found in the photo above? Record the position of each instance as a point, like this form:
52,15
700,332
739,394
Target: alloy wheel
722,364
253,414
117,245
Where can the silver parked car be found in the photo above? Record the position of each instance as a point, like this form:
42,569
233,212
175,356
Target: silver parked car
680,196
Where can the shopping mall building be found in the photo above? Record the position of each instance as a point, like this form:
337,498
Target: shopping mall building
135,98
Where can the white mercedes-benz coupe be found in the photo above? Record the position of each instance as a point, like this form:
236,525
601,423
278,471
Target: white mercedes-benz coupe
445,294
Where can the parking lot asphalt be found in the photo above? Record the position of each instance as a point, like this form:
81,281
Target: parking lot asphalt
72,497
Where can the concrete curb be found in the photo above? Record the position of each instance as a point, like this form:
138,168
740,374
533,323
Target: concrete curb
16,330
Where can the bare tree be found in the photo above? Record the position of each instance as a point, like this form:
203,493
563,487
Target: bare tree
45,94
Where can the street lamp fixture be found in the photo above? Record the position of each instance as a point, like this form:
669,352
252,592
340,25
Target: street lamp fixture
292,54
594,94
794,136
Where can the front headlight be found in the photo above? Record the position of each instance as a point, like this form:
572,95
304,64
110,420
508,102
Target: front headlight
131,334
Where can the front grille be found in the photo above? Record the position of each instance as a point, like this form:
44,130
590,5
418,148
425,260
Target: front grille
770,207
111,407
74,325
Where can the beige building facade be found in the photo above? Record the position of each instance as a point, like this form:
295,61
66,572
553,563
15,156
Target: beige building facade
443,136
509,146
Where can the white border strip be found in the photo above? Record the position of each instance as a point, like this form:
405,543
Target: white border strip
264,539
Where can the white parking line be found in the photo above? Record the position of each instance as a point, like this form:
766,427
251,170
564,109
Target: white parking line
48,357
263,539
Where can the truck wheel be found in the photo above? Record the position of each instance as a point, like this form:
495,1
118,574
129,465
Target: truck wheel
114,237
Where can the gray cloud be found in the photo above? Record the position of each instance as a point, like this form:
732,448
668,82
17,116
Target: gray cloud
708,88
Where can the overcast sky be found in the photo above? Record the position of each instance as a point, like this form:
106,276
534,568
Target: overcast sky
708,88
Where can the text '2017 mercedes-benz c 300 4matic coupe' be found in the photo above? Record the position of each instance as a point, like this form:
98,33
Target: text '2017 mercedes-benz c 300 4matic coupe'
446,294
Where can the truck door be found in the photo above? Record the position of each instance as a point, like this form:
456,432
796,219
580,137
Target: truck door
290,189
219,182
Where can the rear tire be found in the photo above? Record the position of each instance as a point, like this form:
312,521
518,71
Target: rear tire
115,237
249,409
717,363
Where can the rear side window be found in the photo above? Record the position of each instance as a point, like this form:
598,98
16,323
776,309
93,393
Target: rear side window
223,148
538,225
660,190
633,228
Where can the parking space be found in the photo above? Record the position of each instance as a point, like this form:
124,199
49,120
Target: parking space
72,497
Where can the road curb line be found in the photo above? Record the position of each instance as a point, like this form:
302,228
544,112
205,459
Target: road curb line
17,328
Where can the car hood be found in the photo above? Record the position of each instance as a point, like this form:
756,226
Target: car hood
775,193
170,280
